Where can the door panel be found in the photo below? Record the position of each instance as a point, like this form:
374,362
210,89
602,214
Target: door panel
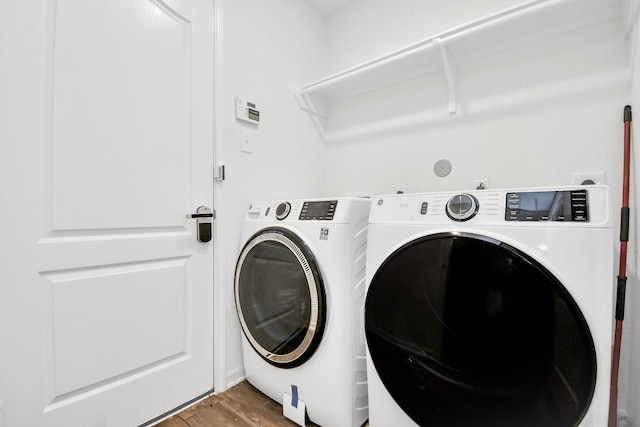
107,299
113,290
121,111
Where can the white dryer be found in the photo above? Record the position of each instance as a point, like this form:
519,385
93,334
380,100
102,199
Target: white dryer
490,308
299,291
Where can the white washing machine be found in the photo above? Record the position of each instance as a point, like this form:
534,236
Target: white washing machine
492,308
299,291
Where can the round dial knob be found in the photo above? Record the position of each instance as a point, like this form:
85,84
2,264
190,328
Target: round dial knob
282,211
462,207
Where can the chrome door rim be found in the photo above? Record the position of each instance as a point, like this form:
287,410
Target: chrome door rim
307,341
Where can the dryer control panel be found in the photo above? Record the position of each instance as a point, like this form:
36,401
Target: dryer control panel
318,210
338,210
565,205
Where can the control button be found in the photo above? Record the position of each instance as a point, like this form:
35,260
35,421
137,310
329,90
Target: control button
423,208
282,211
462,207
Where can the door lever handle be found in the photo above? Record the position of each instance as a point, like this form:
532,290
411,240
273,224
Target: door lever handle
201,215
204,217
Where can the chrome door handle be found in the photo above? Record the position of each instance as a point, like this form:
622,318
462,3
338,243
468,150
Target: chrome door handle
204,217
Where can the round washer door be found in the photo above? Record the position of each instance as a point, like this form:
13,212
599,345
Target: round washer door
280,297
464,330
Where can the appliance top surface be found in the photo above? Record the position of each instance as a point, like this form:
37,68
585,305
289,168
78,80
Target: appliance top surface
548,207
334,210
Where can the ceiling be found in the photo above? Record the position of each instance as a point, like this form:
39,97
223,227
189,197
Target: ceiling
328,7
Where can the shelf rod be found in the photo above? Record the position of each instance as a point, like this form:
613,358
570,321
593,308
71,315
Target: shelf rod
363,68
419,46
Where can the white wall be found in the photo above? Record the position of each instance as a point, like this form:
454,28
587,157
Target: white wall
268,48
370,28
525,116
530,116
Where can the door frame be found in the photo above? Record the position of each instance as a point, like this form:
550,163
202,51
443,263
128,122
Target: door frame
219,225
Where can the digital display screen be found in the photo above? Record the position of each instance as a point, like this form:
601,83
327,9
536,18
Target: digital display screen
253,114
547,206
323,210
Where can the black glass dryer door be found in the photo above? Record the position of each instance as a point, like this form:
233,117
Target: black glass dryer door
280,297
465,331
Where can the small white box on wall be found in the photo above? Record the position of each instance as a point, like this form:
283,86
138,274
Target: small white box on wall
247,111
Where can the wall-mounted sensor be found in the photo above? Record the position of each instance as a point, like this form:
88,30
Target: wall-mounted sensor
442,168
247,111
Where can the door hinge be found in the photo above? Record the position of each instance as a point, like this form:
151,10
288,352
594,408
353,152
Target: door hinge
219,173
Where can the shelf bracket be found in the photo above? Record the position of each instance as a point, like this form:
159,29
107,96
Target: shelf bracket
306,105
449,74
633,20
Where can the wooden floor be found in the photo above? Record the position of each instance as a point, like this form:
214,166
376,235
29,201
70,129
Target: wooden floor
241,405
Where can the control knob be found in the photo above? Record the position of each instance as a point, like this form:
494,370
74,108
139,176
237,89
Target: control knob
282,211
462,207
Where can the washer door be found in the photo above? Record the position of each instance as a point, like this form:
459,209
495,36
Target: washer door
280,297
466,331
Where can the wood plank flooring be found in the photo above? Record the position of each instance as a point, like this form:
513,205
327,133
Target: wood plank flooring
241,405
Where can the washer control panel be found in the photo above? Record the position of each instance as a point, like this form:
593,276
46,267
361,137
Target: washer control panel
567,205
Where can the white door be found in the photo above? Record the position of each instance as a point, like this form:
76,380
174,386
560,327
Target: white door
107,295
